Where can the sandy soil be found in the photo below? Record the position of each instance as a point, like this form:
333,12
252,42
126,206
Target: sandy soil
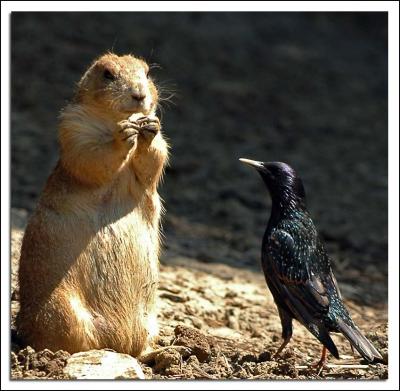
310,90
227,317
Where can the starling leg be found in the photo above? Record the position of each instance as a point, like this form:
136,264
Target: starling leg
284,343
287,330
321,363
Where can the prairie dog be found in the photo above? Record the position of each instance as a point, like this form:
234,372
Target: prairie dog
89,258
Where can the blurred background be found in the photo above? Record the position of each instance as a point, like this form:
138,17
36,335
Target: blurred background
309,89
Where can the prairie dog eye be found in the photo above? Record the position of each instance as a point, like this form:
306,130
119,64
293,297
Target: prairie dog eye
108,75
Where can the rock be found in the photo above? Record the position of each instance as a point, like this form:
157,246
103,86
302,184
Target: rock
192,360
256,333
232,315
230,294
174,298
166,359
149,357
248,358
197,323
14,360
102,364
25,354
193,339
265,356
28,363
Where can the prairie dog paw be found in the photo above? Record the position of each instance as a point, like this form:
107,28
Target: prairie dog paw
149,127
127,133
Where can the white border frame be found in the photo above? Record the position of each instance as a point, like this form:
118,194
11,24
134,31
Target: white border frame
392,7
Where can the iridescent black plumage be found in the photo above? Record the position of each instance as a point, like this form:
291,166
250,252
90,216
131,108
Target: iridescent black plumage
297,268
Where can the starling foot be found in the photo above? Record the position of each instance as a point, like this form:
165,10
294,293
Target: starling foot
284,343
321,364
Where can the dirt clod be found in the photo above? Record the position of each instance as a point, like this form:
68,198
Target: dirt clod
29,363
166,359
193,339
265,356
174,298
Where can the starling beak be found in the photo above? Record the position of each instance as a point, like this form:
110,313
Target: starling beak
253,163
297,268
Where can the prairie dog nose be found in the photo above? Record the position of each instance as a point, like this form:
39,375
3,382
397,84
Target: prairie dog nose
138,95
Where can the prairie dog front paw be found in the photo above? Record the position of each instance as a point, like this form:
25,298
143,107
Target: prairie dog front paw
149,126
127,133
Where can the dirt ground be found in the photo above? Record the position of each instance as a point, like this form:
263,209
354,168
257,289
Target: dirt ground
238,330
308,89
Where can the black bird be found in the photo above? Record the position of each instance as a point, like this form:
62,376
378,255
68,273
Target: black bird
298,270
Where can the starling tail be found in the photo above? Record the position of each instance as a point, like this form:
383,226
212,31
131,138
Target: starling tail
359,342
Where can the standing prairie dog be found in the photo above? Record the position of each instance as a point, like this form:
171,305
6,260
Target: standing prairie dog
89,259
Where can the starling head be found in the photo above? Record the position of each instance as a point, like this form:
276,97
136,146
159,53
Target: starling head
285,187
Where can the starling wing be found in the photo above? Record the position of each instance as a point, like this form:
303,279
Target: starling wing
299,265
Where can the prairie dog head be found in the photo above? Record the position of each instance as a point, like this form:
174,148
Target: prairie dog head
119,85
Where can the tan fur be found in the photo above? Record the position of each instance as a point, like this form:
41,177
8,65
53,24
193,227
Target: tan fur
89,259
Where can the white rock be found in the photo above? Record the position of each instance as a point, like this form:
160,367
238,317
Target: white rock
103,364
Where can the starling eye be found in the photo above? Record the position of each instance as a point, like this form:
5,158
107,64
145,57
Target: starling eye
108,75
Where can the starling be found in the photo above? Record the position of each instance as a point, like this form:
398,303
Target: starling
298,270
